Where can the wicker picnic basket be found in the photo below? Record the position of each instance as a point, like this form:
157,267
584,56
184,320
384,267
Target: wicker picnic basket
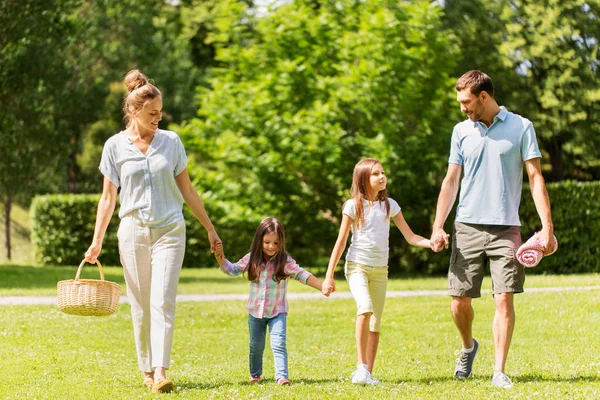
88,297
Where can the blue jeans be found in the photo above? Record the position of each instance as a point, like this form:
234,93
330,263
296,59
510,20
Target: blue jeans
258,329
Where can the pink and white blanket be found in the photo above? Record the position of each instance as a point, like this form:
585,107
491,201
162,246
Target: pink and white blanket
531,252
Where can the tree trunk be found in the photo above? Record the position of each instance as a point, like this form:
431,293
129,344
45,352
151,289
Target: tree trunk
7,208
555,149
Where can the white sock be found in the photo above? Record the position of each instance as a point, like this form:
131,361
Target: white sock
363,366
468,350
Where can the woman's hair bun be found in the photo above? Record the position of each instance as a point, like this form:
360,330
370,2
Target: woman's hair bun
134,80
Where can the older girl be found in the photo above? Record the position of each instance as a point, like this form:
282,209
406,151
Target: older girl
368,215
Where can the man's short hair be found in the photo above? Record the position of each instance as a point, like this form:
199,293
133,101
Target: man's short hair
476,81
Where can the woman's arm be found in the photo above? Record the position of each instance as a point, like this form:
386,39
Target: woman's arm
336,254
412,238
192,199
106,207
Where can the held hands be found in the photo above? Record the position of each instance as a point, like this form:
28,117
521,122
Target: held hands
214,239
439,240
219,255
92,253
328,286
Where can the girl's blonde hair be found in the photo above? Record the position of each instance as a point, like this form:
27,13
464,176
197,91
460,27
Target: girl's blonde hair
257,259
140,91
361,189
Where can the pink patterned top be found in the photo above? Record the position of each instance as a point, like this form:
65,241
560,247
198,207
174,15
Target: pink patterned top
267,297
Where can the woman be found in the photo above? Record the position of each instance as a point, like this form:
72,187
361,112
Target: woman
149,164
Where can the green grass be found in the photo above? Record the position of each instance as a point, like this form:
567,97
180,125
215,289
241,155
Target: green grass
555,352
22,251
49,355
21,280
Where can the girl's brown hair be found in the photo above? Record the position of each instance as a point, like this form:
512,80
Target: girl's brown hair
257,259
361,189
140,90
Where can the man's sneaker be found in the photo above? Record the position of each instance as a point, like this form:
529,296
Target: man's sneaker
464,362
361,376
255,379
501,380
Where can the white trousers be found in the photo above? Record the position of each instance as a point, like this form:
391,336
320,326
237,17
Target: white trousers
152,259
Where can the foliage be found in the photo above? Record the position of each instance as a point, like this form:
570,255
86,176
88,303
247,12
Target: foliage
63,226
543,57
575,209
293,106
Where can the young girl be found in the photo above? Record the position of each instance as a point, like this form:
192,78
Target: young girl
368,215
268,266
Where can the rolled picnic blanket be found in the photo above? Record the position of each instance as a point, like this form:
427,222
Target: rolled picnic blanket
531,252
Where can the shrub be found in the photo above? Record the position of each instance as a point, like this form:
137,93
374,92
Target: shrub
575,210
63,227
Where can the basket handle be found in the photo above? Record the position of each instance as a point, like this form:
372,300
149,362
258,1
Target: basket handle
99,267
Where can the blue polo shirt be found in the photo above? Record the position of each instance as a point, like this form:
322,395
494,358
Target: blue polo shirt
492,160
147,181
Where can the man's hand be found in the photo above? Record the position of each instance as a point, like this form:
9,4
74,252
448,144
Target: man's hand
439,240
546,239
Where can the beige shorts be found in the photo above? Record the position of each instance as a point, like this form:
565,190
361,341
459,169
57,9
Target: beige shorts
473,248
368,286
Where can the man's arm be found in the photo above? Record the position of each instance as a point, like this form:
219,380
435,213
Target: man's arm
542,202
446,199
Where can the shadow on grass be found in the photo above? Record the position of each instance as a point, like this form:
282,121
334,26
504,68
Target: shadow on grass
571,378
269,381
26,277
528,378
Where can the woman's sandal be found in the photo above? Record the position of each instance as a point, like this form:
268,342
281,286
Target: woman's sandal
162,386
148,382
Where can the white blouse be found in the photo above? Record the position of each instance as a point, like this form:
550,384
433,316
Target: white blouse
147,181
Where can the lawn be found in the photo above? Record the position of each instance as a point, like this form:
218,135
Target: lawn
49,355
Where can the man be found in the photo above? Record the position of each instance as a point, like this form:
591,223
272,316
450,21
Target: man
491,146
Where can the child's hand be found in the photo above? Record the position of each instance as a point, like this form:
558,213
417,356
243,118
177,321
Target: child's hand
219,255
328,287
439,241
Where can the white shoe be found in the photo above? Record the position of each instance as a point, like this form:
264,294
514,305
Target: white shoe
373,381
361,376
501,380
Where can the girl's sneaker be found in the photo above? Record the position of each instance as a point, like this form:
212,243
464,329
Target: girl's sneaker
373,381
361,376
283,381
255,379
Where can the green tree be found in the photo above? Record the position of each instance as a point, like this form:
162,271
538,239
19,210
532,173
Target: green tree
543,57
33,40
301,94
554,45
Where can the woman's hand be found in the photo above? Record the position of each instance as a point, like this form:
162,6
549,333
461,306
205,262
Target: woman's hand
328,286
214,240
93,252
219,255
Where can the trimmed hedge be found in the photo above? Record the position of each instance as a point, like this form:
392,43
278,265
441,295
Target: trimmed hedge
63,227
575,211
